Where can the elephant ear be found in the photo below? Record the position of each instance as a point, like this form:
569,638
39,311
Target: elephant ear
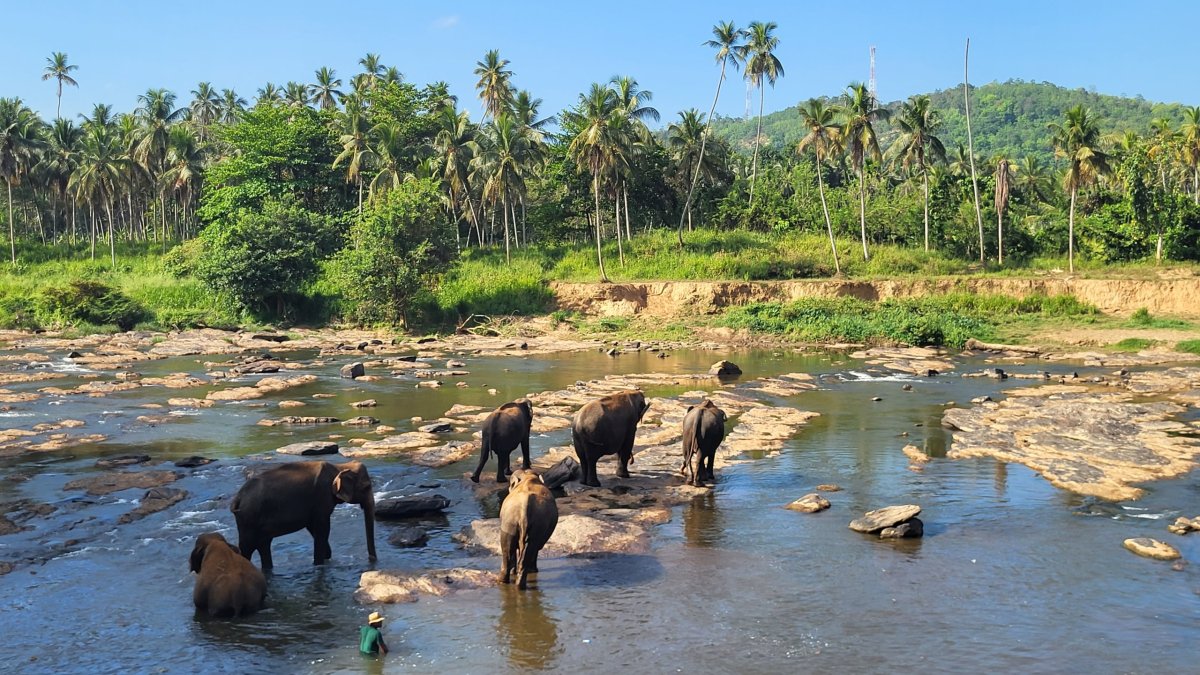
197,557
527,406
691,408
344,485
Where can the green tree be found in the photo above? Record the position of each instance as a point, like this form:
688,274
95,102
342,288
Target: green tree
1191,147
1077,139
494,85
268,94
593,146
824,139
205,107
501,168
19,142
861,111
325,92
356,148
918,143
261,259
758,53
102,165
396,248
58,69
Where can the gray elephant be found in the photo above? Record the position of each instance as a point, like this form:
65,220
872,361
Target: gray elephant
300,495
528,517
503,430
226,583
703,431
607,426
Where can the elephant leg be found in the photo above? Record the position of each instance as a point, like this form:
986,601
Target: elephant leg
623,465
708,470
483,458
525,453
247,543
503,467
320,535
587,463
508,556
528,564
264,553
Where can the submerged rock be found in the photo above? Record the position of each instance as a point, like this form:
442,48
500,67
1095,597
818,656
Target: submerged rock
912,528
193,462
412,506
437,428
155,500
1152,548
309,448
122,460
408,537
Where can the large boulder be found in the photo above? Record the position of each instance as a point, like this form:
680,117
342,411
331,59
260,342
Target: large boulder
1152,548
724,368
889,516
391,587
352,371
410,507
576,535
912,528
809,503
309,448
565,471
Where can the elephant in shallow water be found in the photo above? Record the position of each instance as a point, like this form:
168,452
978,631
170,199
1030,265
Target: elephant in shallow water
226,583
503,430
703,431
300,495
528,517
607,426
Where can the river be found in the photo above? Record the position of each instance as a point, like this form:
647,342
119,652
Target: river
1013,575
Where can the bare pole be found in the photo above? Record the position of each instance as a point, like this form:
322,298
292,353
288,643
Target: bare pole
971,147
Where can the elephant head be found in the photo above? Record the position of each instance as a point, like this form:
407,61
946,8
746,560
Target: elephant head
352,485
526,406
203,542
639,401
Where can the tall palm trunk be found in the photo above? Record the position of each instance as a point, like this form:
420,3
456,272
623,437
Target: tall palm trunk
92,222
360,195
1071,234
971,148
1000,236
1196,185
628,232
112,242
837,266
862,211
687,204
504,205
599,254
757,139
925,182
58,110
620,249
12,242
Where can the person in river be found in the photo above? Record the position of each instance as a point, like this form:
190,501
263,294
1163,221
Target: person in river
370,639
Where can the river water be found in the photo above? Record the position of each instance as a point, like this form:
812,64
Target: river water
1013,575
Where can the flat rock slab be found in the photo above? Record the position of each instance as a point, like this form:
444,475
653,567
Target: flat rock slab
1092,441
911,360
297,420
436,428
267,385
410,507
1152,548
576,535
809,503
124,480
889,516
122,460
394,587
1184,525
155,500
309,448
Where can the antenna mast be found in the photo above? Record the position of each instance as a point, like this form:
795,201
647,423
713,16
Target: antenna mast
871,82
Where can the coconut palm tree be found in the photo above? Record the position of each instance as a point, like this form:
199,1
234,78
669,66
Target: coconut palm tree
592,148
57,68
102,165
685,140
268,94
356,148
1032,179
325,92
205,107
390,151
1191,147
725,41
372,68
824,139
454,147
633,102
391,75
184,164
19,142
500,166
295,94
918,143
59,160
1004,179
494,85
860,112
758,53
156,112
1077,139
232,106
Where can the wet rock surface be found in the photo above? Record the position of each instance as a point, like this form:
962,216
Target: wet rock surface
809,503
912,360
408,537
116,481
1152,548
309,448
413,506
395,587
155,500
889,516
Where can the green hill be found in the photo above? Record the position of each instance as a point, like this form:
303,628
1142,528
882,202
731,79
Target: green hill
1008,117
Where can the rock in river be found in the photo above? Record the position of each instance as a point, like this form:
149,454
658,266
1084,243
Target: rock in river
809,503
410,507
437,428
391,587
353,371
121,480
724,369
909,529
576,535
1152,548
309,448
155,500
193,462
408,537
889,516
121,460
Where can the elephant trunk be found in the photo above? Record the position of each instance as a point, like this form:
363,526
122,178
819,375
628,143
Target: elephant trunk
368,508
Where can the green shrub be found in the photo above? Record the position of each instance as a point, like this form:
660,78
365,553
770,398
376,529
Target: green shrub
1188,346
92,302
181,260
476,287
1133,344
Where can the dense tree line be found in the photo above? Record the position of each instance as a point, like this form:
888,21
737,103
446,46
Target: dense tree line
308,179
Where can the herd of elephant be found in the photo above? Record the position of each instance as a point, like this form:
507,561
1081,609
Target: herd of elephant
302,495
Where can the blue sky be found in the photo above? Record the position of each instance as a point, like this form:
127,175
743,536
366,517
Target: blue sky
558,48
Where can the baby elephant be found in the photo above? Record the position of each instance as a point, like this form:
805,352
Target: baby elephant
227,584
503,430
528,517
703,431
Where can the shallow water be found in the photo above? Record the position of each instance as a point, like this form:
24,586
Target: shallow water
1012,575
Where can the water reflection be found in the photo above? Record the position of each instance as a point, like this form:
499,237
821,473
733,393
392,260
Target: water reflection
703,524
525,627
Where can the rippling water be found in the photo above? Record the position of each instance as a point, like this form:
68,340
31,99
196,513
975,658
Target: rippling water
1012,575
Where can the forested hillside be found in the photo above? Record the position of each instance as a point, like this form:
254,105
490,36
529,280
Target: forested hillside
1008,118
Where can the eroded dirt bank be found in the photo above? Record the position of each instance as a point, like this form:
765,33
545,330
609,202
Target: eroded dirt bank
1177,297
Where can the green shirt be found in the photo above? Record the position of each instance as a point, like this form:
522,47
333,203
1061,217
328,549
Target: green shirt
369,639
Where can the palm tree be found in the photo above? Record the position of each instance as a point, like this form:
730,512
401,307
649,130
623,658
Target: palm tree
356,149
184,164
205,107
632,101
592,147
1032,179
391,76
60,159
101,166
156,112
500,166
1004,176
295,94
18,143
372,68
454,147
57,68
1077,139
725,41
493,85
917,143
685,139
758,53
390,151
232,106
325,93
971,147
860,112
1191,147
824,138
269,94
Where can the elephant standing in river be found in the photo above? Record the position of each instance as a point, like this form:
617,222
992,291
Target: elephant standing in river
503,430
607,426
226,583
703,431
528,517
300,495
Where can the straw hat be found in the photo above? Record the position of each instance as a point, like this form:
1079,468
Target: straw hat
375,618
